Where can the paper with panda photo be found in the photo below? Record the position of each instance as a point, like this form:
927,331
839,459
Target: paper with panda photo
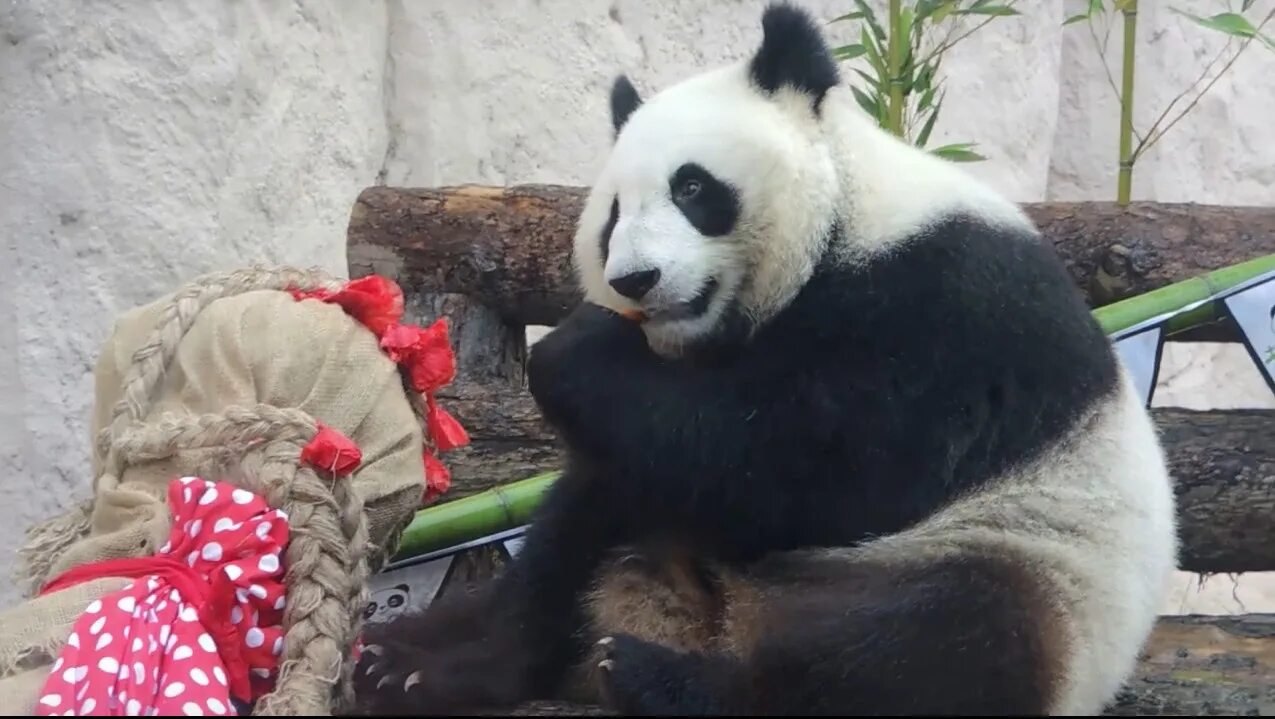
1253,309
1141,354
394,591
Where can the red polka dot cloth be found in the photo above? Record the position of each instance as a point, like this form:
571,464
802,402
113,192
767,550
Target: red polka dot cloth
198,629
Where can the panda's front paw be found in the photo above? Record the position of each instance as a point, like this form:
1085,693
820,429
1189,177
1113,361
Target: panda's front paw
582,353
389,681
639,678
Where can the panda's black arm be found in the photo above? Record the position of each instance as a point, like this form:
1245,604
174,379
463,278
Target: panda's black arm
695,442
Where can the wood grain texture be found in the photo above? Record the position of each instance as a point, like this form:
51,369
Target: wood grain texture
1223,463
510,247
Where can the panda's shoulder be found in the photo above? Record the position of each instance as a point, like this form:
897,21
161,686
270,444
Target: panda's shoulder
962,285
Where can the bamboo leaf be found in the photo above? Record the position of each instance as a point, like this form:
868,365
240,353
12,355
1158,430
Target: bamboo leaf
849,52
1000,10
958,152
874,54
927,128
927,98
943,11
871,17
1095,6
872,81
1228,22
1246,5
856,15
868,104
1075,18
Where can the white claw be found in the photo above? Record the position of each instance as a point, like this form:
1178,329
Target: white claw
606,665
606,641
384,679
375,650
373,667
412,680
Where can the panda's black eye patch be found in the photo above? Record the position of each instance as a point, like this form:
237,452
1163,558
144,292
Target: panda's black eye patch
711,205
604,242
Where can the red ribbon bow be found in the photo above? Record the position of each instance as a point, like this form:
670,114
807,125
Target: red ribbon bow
200,623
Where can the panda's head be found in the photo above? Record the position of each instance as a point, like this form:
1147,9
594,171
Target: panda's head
719,194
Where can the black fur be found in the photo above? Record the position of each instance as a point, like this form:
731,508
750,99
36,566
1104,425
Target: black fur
794,53
710,204
624,100
880,394
604,242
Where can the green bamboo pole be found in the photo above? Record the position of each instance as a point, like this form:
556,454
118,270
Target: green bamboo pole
895,61
1127,313
451,523
511,505
1125,184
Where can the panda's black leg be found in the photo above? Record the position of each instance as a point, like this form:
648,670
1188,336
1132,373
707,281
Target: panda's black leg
640,678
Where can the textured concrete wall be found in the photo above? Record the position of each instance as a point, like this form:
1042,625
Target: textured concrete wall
145,143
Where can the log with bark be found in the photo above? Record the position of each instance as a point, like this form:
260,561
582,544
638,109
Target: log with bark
1192,666
509,248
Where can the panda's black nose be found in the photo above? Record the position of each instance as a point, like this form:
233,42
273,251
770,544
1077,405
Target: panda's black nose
636,284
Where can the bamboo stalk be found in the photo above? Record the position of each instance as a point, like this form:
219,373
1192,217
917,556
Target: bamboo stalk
511,505
1125,183
452,523
895,61
1127,313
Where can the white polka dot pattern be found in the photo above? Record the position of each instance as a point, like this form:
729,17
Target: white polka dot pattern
152,650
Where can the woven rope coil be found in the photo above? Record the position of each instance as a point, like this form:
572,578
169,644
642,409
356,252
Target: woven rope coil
258,447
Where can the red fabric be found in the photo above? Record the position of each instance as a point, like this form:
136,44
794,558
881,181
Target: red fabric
438,479
373,300
331,451
200,624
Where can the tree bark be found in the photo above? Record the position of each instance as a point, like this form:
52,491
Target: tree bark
1204,666
1223,463
510,248
1192,666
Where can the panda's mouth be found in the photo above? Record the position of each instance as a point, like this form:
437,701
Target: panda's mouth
688,309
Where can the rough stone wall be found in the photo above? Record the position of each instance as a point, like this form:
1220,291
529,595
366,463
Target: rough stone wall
145,143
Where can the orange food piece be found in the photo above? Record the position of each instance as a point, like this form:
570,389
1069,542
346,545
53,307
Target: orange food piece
635,315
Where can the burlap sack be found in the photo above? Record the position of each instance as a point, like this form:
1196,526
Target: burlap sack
229,376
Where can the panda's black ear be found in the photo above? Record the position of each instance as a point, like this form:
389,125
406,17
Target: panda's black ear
624,100
793,52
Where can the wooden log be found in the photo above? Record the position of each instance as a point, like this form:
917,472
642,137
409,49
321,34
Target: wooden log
1192,666
510,248
1223,463
1204,666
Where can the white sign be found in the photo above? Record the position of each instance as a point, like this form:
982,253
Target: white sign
1141,354
1254,311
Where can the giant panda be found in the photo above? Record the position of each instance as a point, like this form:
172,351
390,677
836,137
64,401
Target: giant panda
843,439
